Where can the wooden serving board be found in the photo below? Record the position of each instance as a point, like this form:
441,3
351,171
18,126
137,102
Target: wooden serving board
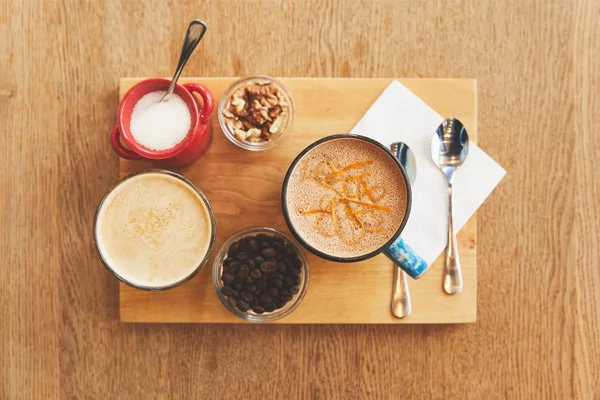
244,189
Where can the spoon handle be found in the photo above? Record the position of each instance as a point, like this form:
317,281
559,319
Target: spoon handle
401,305
453,282
194,34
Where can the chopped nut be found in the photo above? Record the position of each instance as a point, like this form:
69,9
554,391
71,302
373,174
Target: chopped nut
277,123
235,123
240,134
274,112
239,104
254,133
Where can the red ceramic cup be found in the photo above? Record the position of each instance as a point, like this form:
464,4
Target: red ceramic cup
185,152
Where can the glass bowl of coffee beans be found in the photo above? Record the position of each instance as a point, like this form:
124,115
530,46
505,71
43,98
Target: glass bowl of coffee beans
261,274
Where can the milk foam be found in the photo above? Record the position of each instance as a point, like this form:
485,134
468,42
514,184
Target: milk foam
153,230
160,125
305,194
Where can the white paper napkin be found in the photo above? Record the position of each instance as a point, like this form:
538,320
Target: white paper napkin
398,115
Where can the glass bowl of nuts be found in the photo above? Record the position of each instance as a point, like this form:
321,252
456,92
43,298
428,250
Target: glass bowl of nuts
256,112
261,274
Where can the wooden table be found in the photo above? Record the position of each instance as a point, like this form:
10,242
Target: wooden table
537,334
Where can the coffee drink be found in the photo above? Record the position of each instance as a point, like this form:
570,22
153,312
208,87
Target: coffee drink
154,230
346,198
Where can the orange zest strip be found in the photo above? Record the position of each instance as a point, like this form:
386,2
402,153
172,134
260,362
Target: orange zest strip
362,203
350,178
307,212
366,191
346,193
334,189
333,168
349,167
333,211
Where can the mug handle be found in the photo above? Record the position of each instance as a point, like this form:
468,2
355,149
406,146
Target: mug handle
122,151
207,98
406,258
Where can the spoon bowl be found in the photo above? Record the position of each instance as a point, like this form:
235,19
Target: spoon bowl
449,149
449,145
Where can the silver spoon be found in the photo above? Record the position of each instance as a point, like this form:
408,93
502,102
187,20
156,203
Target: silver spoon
449,149
401,304
194,34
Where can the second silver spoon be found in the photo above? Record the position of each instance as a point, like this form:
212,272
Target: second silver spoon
449,149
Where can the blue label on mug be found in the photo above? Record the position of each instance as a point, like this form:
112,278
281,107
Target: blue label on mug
406,258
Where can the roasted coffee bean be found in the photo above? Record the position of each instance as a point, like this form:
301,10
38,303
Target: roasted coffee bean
251,288
237,286
280,276
270,308
249,280
241,255
286,298
288,261
250,263
232,301
244,246
273,292
284,293
278,283
227,261
298,280
268,267
264,244
227,291
261,283
278,247
243,272
234,264
279,304
259,260
289,281
258,309
294,289
243,306
277,239
257,291
289,249
264,299
255,273
247,297
268,252
227,279
295,271
281,266
233,248
279,256
253,244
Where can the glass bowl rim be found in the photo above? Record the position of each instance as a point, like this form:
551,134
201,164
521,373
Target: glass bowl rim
265,145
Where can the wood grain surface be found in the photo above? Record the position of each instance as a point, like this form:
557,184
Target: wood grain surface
244,189
538,317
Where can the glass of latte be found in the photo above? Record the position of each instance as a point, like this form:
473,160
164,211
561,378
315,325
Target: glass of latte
154,230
